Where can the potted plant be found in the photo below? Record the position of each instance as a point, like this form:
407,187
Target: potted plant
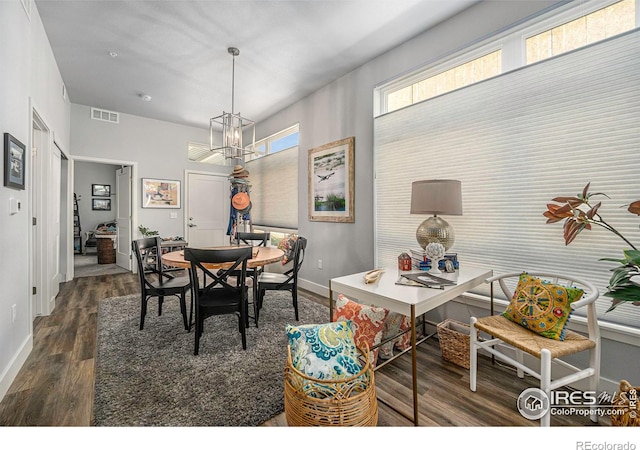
580,213
146,232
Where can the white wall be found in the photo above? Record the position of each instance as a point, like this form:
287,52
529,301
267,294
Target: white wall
29,78
159,148
345,108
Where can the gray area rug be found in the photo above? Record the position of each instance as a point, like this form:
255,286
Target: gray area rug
152,378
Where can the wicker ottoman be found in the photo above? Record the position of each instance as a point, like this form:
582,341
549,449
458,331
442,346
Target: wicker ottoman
313,402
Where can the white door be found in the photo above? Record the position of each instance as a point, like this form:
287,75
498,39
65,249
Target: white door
207,210
123,217
53,226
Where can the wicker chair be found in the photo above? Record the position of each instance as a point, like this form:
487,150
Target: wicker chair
311,401
504,332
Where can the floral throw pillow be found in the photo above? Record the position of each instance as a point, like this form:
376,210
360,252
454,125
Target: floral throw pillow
368,322
541,306
287,245
393,325
324,351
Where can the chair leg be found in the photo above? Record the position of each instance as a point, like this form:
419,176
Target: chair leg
545,383
183,310
259,301
197,333
143,311
191,313
242,322
473,355
520,359
255,299
594,362
294,294
160,301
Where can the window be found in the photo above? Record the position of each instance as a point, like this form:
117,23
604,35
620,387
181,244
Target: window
540,136
569,26
586,29
470,72
274,181
198,152
277,142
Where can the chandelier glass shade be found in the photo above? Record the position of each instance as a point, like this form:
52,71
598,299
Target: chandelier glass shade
227,130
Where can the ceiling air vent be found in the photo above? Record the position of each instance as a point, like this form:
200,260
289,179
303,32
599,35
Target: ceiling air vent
103,114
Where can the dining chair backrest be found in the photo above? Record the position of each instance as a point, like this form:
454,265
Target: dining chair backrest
237,255
298,256
148,253
255,239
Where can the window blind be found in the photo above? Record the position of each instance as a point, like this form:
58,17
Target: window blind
274,189
516,141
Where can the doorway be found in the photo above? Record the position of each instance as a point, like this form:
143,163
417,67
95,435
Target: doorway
105,196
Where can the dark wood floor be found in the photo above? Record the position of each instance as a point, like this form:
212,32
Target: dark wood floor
55,386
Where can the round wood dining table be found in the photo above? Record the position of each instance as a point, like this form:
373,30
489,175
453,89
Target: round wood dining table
264,256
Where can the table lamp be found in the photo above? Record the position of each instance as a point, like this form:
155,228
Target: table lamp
437,197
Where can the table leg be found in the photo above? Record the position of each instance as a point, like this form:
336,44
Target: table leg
414,360
330,303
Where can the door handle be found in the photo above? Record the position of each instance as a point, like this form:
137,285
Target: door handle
191,225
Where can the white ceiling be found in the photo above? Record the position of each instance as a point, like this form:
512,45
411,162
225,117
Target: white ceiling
176,50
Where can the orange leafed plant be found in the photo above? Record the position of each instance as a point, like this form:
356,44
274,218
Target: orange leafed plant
580,214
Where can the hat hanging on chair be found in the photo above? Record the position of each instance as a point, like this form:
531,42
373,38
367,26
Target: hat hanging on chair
240,201
239,172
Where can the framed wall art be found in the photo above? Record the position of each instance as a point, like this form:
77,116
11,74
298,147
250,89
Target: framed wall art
15,162
101,190
331,182
160,193
101,204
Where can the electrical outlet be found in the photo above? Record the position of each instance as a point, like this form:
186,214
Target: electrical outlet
319,264
13,313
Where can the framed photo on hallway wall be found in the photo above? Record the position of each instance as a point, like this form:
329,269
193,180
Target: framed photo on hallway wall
14,162
331,182
158,193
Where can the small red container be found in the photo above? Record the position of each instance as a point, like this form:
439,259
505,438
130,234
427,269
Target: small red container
404,261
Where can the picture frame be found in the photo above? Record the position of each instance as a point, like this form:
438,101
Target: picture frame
101,190
101,204
15,162
159,193
331,182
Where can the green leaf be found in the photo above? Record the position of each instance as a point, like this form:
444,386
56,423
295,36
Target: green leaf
626,294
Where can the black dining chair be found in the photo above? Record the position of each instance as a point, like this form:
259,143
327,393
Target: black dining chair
155,283
288,281
218,296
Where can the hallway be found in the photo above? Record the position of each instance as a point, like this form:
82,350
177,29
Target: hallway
87,266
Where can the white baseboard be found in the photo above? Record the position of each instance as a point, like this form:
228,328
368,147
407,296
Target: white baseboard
15,365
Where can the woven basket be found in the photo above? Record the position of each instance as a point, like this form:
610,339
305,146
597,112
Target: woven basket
454,342
626,407
348,402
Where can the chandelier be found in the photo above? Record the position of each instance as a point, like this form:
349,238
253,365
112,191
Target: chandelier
231,126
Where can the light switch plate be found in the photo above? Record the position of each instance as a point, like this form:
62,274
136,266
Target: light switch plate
173,215
13,206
